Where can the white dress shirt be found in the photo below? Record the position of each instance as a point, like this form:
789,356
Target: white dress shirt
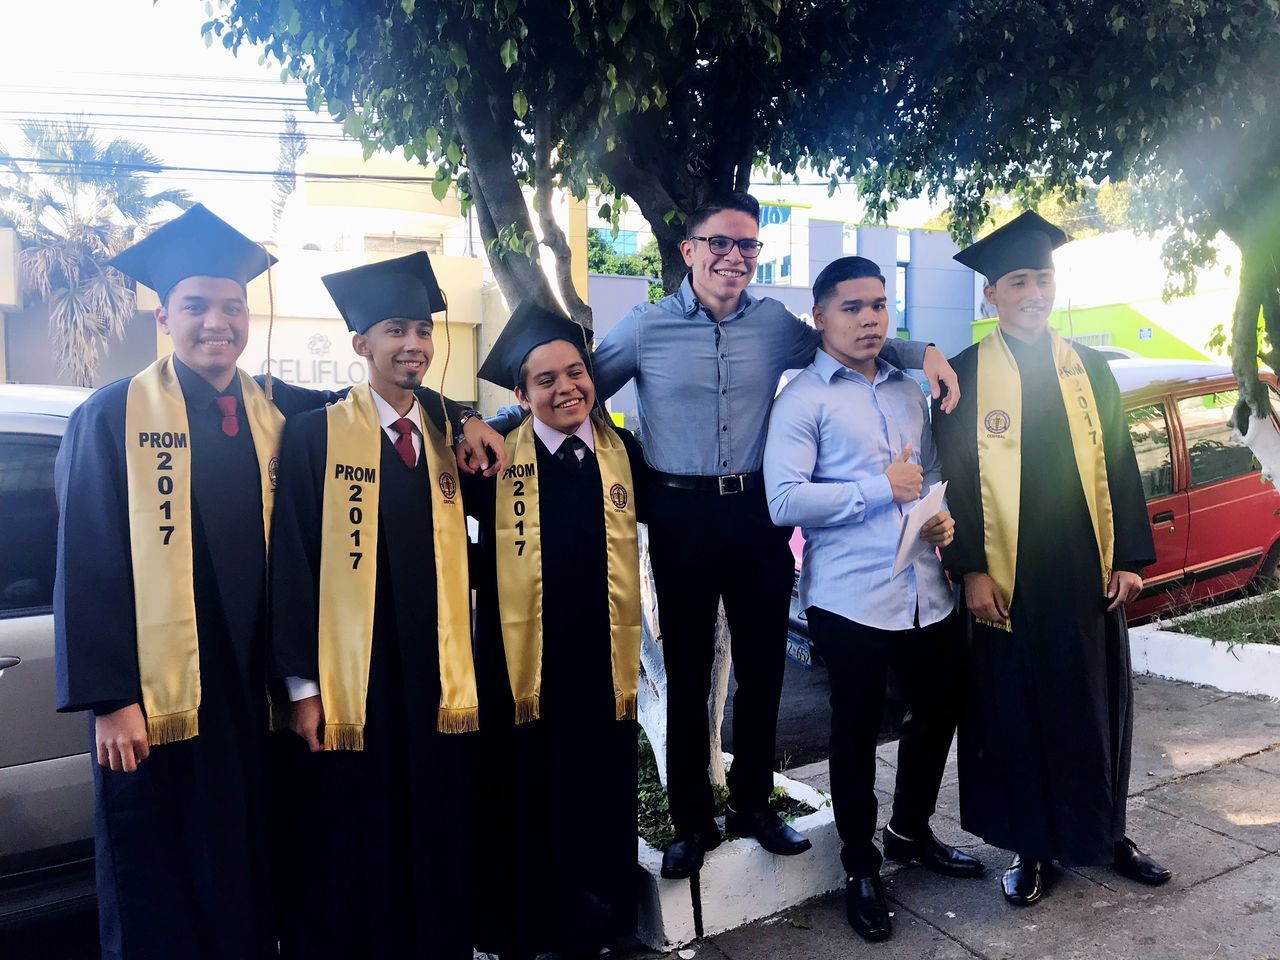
301,688
552,438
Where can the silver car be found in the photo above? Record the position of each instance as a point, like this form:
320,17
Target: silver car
46,777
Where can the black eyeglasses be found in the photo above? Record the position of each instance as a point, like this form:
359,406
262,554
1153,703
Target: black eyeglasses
721,245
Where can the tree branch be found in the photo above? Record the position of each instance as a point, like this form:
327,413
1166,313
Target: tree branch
552,236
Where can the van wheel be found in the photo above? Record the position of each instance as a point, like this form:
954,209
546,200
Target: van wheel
1268,575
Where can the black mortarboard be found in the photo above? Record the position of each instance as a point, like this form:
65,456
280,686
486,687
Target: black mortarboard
529,327
1024,243
403,288
196,244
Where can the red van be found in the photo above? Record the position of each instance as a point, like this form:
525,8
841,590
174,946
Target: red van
1216,522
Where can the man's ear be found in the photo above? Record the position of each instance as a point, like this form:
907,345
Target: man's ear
360,344
162,319
686,250
523,399
989,292
817,317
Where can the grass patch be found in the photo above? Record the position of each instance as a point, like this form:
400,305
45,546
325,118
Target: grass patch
655,814
1247,623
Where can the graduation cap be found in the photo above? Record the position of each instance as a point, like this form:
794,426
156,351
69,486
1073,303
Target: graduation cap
529,327
402,288
196,244
1024,243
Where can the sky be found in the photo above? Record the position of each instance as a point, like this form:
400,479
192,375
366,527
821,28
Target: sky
141,70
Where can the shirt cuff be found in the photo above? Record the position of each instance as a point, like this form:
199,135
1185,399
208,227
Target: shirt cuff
300,688
876,491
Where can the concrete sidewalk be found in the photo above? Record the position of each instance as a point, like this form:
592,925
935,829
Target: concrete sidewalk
1204,799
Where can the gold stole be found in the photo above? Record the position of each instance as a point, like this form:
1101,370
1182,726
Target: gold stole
518,528
1000,455
349,572
158,475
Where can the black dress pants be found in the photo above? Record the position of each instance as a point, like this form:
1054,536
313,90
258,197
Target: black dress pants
705,546
928,662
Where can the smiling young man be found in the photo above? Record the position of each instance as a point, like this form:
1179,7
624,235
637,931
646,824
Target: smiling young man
707,361
1051,539
165,485
558,654
371,632
849,452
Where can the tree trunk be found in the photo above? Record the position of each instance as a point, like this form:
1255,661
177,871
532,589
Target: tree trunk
552,236
500,204
1244,340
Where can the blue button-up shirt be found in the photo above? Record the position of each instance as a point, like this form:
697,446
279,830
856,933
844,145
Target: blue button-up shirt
831,437
704,387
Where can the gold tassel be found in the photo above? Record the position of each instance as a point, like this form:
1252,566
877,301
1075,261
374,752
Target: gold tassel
624,706
457,720
173,727
529,708
343,736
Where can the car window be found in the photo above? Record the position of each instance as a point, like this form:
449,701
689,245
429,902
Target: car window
28,522
1149,431
1206,425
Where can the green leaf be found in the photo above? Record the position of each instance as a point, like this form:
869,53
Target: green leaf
407,6
623,100
453,152
440,187
451,85
509,53
520,103
353,126
458,56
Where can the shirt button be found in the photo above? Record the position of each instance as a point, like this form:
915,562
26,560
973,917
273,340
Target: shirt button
724,393
723,357
724,463
725,428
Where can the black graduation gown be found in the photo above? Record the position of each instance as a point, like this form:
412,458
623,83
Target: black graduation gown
381,842
1045,742
556,797
181,855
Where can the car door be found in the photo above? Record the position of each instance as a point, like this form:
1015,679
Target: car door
1232,512
1154,445
46,785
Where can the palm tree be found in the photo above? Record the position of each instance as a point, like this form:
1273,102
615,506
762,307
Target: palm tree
76,202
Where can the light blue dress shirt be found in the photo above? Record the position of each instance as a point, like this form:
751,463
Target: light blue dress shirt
831,437
704,387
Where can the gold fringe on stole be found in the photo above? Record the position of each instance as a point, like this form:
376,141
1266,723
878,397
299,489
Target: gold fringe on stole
348,584
158,478
519,554
172,728
343,736
1000,455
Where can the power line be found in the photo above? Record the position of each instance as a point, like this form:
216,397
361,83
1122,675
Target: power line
106,166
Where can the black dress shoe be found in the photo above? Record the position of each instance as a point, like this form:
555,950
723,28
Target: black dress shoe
1133,863
684,857
865,907
932,854
767,828
1023,882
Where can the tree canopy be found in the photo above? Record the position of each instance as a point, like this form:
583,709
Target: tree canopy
663,102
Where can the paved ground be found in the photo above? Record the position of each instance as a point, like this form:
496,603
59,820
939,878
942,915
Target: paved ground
1205,797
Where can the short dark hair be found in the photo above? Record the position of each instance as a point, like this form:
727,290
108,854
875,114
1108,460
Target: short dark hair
522,375
838,271
737,200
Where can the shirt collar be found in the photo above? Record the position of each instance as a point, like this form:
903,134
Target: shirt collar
552,438
387,414
690,304
829,368
199,392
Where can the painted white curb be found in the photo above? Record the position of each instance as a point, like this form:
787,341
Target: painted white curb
739,881
1252,668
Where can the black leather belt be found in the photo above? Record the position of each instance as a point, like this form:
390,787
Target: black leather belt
730,483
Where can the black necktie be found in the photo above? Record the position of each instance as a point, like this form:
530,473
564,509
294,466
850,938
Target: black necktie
569,450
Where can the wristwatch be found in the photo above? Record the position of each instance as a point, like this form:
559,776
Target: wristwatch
466,414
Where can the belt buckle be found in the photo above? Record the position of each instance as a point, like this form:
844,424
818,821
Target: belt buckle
727,483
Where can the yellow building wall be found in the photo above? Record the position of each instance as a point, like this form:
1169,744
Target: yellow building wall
411,192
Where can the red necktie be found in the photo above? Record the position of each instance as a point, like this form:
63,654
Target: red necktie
227,405
404,442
